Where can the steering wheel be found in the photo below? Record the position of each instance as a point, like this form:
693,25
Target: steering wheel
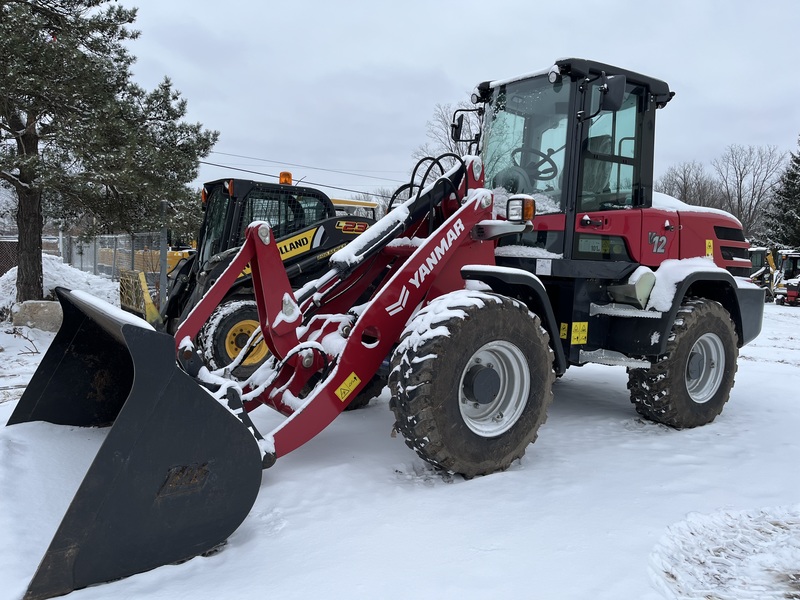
544,169
514,179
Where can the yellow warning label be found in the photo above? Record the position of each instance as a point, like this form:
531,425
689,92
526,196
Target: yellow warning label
709,247
348,385
564,329
580,332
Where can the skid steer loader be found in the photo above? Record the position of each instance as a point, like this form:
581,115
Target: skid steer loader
310,227
547,249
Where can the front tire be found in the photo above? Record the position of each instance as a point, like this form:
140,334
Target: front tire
225,335
471,381
692,381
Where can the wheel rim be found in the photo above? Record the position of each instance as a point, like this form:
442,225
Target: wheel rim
236,340
494,388
705,368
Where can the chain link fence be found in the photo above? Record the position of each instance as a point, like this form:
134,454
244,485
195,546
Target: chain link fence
109,255
8,251
106,255
133,260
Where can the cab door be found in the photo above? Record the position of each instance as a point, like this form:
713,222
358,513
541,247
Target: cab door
610,195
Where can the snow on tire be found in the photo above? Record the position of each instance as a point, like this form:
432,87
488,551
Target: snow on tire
692,381
226,333
471,381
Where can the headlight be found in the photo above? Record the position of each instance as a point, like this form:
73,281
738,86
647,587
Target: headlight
520,208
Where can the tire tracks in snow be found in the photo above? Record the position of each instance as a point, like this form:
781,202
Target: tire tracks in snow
730,555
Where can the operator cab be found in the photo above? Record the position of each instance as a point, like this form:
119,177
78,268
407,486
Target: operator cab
578,138
232,204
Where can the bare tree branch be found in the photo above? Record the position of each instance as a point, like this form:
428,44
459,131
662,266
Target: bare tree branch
747,176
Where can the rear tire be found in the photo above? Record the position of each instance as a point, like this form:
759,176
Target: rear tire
471,381
226,334
691,383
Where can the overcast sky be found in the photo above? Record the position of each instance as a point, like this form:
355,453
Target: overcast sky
349,86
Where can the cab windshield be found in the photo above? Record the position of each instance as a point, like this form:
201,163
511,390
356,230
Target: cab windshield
210,238
525,129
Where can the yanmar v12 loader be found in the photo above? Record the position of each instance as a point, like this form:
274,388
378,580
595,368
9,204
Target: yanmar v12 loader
547,249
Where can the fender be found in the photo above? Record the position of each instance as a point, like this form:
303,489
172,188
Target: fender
510,282
636,336
745,304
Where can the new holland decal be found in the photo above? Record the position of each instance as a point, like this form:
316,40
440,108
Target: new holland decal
300,243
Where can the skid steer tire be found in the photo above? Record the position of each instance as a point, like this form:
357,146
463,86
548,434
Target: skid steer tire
226,333
692,381
471,381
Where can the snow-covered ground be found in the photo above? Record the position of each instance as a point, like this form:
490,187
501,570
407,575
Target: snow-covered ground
603,506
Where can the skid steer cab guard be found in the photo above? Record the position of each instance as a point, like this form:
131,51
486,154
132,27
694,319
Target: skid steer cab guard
177,472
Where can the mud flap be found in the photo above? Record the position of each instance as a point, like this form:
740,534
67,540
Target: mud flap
177,472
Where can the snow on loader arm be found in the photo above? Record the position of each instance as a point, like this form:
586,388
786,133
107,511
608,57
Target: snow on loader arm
177,472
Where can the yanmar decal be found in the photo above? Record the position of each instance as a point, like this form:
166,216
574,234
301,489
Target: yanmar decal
425,268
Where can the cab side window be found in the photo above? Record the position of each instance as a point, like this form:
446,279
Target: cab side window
610,156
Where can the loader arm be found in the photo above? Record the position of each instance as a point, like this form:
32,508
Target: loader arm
378,328
274,295
271,282
323,353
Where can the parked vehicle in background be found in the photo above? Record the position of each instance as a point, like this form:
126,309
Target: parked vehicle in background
787,290
309,227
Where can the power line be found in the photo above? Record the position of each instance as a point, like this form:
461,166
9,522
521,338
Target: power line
288,164
332,187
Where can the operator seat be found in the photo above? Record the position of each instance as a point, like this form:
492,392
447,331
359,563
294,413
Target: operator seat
298,216
596,173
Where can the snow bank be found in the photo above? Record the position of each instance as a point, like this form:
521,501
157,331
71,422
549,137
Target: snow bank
57,274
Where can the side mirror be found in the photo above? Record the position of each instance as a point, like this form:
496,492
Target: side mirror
613,93
456,127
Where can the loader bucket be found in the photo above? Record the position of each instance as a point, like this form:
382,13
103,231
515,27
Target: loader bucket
177,472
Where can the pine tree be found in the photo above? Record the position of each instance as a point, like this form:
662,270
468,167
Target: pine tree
783,220
79,140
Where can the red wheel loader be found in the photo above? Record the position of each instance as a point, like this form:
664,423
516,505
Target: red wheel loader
547,249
